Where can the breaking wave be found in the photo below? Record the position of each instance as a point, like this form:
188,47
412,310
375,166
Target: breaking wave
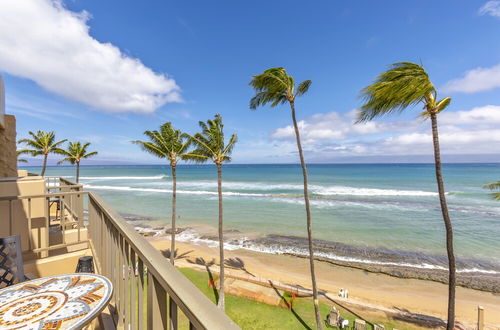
199,187
274,244
106,178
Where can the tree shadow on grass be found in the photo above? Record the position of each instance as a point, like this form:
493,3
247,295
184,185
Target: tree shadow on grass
207,264
419,319
237,263
166,253
290,307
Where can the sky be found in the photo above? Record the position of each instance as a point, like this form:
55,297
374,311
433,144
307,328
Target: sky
106,71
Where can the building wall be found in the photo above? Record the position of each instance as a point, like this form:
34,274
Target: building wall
8,156
14,215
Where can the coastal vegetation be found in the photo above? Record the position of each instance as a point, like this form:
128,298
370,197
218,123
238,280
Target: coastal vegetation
276,87
494,186
407,84
75,152
171,144
210,145
42,143
250,314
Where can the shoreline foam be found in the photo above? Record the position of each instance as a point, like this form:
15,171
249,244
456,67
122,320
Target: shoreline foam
471,273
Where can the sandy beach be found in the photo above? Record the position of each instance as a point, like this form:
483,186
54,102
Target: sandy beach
368,292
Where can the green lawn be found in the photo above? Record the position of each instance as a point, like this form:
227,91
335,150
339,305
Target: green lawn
250,314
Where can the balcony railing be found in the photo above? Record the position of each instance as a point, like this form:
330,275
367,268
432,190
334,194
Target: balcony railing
149,293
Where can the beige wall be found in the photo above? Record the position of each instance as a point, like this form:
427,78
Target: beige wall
62,264
8,156
31,185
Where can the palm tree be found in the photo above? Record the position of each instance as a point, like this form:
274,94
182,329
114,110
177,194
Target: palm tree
275,86
42,143
210,145
171,144
494,186
403,85
75,153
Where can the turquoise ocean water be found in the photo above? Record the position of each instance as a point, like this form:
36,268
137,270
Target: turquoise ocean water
385,213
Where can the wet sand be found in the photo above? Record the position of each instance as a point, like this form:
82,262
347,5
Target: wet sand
370,289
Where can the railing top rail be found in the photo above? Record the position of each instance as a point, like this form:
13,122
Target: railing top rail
68,182
8,198
68,186
197,307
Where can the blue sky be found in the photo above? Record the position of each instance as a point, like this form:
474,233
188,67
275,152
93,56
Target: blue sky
105,71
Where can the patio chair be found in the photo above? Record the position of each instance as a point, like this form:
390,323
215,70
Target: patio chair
359,324
333,318
11,262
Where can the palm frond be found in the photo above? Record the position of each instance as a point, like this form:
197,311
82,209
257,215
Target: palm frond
67,159
196,156
230,145
303,87
441,105
90,154
493,186
151,148
31,152
404,84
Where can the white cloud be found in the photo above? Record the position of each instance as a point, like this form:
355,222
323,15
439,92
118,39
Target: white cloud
489,114
331,135
476,80
490,8
45,42
327,126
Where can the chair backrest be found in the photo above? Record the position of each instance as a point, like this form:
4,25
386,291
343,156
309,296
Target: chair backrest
333,317
359,324
11,261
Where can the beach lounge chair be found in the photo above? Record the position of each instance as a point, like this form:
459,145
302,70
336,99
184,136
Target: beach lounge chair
11,262
378,327
333,318
359,324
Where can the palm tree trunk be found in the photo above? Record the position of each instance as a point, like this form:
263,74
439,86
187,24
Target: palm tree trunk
221,238
309,221
44,164
174,213
77,171
447,224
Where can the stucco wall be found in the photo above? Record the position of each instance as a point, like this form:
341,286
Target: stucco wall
8,156
30,185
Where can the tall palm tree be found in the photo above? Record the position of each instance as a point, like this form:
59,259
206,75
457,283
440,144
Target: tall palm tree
42,143
74,155
275,86
210,145
494,186
170,144
403,85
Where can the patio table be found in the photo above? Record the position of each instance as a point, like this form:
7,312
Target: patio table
69,301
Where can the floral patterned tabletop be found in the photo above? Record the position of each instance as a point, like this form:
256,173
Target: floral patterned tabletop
67,301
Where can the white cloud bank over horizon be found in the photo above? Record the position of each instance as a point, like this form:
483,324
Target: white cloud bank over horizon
45,42
329,136
475,80
491,8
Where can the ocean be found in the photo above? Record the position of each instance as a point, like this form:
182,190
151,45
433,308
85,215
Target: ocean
379,214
